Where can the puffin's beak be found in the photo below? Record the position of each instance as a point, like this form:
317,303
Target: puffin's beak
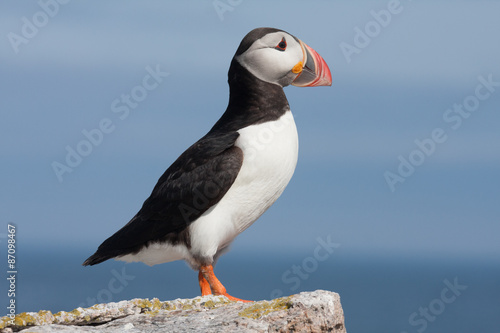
314,71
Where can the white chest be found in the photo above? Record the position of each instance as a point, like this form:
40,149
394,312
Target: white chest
270,152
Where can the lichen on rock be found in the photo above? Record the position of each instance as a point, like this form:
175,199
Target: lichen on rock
262,308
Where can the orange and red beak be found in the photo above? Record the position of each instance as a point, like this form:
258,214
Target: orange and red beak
313,70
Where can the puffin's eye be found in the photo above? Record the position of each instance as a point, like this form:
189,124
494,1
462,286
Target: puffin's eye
281,45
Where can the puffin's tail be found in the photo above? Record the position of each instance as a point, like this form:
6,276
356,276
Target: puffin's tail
97,258
111,247
118,244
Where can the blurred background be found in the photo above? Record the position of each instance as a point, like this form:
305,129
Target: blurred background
380,209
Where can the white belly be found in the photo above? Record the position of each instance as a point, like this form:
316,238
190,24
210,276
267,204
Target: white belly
270,152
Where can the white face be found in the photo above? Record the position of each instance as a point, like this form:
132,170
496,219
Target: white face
268,60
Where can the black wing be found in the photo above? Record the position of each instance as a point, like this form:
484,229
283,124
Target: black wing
197,180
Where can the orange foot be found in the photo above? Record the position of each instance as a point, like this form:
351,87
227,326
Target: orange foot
209,283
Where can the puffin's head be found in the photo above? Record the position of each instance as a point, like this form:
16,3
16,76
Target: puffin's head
277,57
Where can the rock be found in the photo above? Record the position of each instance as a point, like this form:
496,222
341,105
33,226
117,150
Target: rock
318,311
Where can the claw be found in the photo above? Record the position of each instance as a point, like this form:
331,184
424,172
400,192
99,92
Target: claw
236,299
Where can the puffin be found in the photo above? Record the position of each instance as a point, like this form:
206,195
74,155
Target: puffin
227,179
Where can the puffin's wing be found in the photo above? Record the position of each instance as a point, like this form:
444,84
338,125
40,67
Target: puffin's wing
196,181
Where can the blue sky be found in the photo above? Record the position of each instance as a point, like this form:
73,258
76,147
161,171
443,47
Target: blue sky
395,89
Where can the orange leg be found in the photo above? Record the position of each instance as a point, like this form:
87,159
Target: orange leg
204,286
207,272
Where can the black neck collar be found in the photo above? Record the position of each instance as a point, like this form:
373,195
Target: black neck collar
251,101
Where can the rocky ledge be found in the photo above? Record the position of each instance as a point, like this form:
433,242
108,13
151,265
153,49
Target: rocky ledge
318,311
